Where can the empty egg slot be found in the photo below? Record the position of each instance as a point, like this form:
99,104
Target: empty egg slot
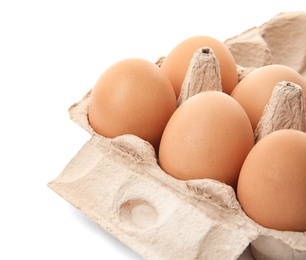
272,248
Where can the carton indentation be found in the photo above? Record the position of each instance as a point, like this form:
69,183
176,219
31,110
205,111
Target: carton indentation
139,213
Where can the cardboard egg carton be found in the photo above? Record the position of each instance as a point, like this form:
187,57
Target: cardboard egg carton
118,183
281,40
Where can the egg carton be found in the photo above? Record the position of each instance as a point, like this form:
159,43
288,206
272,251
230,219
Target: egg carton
118,183
281,40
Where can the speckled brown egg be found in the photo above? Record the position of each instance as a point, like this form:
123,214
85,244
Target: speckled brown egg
176,63
254,91
133,96
272,182
208,136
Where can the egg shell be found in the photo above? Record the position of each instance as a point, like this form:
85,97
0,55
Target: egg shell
176,63
133,96
208,136
272,181
254,90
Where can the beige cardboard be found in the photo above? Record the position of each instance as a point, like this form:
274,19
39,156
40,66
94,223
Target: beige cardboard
282,40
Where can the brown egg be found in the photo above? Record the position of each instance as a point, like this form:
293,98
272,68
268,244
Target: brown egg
208,136
272,182
133,96
176,63
254,91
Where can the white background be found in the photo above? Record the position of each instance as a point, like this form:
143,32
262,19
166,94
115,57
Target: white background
51,54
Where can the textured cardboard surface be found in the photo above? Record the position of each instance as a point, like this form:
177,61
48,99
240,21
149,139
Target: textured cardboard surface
281,40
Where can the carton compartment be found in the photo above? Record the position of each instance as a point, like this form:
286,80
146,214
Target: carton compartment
131,197
269,247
